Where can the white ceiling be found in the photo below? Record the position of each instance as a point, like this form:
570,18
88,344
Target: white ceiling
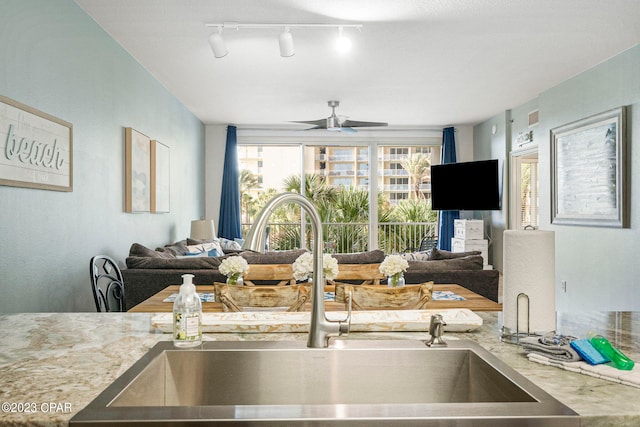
415,62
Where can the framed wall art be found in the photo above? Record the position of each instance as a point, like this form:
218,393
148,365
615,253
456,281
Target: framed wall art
160,183
36,149
589,171
137,171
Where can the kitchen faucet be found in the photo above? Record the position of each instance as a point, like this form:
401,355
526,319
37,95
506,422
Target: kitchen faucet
320,328
436,328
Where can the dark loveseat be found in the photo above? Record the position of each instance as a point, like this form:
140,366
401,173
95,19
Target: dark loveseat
150,271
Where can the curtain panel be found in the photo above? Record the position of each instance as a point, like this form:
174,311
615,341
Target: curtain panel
229,222
447,218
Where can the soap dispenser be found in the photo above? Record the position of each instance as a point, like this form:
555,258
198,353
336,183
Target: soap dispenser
187,315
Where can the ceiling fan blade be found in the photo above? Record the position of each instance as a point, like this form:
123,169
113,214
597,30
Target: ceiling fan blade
338,123
320,123
357,123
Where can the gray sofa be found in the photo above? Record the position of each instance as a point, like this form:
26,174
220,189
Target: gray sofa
149,271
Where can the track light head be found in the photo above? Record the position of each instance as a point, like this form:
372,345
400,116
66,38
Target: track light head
285,40
343,43
217,44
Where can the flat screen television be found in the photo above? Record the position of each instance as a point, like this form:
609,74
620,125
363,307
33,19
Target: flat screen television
472,186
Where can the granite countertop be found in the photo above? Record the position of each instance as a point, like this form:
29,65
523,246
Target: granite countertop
53,364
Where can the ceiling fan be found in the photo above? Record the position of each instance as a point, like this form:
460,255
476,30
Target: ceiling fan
339,123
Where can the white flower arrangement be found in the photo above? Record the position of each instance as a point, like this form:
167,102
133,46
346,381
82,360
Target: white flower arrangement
234,266
393,264
303,267
330,267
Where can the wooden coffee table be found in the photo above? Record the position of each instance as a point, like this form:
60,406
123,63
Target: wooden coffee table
472,301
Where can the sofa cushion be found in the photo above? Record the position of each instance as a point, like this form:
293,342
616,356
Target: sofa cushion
138,250
189,263
275,257
471,262
437,254
369,257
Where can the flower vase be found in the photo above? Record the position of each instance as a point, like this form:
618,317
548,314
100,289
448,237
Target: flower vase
395,280
235,279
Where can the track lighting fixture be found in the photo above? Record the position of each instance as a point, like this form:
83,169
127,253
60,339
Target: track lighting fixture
285,38
217,44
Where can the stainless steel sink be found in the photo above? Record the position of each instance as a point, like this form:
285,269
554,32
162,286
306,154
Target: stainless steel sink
352,383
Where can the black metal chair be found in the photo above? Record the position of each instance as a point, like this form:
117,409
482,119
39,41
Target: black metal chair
427,243
107,284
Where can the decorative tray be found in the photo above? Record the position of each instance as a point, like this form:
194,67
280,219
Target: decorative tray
457,320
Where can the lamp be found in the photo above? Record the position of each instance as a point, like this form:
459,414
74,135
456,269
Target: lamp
285,40
202,229
217,44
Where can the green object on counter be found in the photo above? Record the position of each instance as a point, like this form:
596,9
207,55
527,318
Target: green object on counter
618,358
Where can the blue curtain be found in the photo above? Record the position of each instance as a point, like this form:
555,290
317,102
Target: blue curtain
229,223
446,218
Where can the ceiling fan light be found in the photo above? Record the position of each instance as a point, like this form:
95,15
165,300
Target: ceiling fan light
333,123
285,40
217,45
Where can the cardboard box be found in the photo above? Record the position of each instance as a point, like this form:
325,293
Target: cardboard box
466,245
468,229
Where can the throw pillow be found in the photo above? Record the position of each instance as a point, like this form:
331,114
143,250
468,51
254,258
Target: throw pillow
138,250
230,245
212,252
417,256
205,248
177,248
437,254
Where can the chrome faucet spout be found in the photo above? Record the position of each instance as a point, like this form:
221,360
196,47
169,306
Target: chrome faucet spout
320,328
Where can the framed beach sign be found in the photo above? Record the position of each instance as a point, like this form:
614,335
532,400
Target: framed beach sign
589,171
159,177
137,171
36,149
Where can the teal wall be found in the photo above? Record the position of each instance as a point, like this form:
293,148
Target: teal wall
600,265
56,59
488,144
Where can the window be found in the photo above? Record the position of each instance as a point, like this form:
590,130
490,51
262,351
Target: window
398,184
348,171
395,197
346,182
524,193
